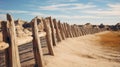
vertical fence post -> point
(73, 31)
(36, 44)
(74, 27)
(14, 60)
(57, 30)
(61, 30)
(69, 31)
(64, 30)
(81, 32)
(53, 32)
(48, 35)
(78, 32)
(85, 31)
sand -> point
(83, 51)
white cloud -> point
(36, 14)
(72, 0)
(114, 6)
(76, 17)
(73, 6)
(103, 13)
(94, 19)
(113, 9)
(92, 13)
(61, 16)
(13, 11)
(60, 1)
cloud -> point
(73, 6)
(113, 9)
(37, 14)
(12, 11)
(61, 16)
(60, 1)
(103, 13)
(114, 6)
(3, 13)
(76, 17)
(77, 12)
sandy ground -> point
(83, 51)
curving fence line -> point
(15, 51)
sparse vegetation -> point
(110, 40)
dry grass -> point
(110, 39)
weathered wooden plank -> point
(81, 31)
(78, 30)
(48, 35)
(57, 30)
(72, 29)
(36, 44)
(53, 32)
(69, 30)
(14, 60)
(64, 31)
(75, 31)
(61, 30)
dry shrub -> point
(110, 39)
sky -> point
(70, 11)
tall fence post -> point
(64, 30)
(53, 32)
(73, 31)
(48, 35)
(79, 31)
(69, 30)
(61, 30)
(36, 44)
(59, 38)
(14, 60)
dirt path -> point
(84, 51)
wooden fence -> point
(54, 32)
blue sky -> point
(70, 11)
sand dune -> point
(84, 51)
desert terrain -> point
(97, 50)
